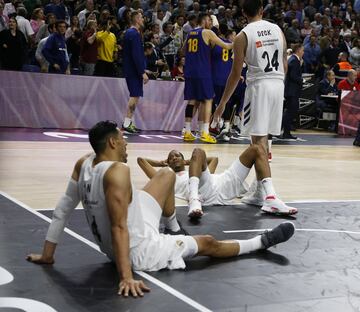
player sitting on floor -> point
(125, 221)
(201, 185)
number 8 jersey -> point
(264, 54)
(197, 57)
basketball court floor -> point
(317, 270)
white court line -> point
(309, 201)
(150, 278)
(298, 230)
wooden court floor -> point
(36, 173)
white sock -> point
(243, 172)
(268, 187)
(213, 124)
(227, 126)
(206, 127)
(127, 122)
(250, 245)
(188, 126)
(171, 222)
(236, 121)
(194, 187)
(269, 145)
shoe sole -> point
(282, 233)
(195, 214)
(276, 211)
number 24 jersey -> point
(264, 54)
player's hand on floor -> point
(134, 287)
(39, 259)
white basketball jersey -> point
(264, 54)
(92, 196)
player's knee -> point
(210, 243)
(259, 150)
(168, 174)
(198, 154)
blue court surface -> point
(317, 270)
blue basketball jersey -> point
(221, 62)
(197, 57)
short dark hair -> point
(202, 16)
(58, 22)
(148, 45)
(99, 134)
(223, 28)
(251, 7)
(296, 47)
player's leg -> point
(209, 246)
(205, 136)
(161, 188)
(198, 164)
(189, 112)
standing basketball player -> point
(134, 67)
(262, 46)
(198, 79)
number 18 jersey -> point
(264, 54)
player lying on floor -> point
(200, 186)
(125, 221)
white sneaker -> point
(255, 198)
(195, 209)
(223, 135)
(275, 205)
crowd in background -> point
(326, 28)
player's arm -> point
(62, 212)
(285, 62)
(240, 45)
(118, 194)
(215, 40)
(148, 165)
(212, 163)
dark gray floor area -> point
(314, 271)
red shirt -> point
(88, 52)
(345, 85)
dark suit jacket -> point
(293, 80)
(325, 88)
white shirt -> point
(25, 27)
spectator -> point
(44, 65)
(345, 29)
(10, 7)
(74, 26)
(4, 20)
(73, 47)
(149, 50)
(55, 51)
(178, 70)
(306, 30)
(160, 18)
(12, 47)
(107, 49)
(293, 86)
(311, 54)
(57, 8)
(228, 20)
(24, 25)
(110, 6)
(355, 53)
(342, 67)
(327, 15)
(155, 62)
(125, 23)
(293, 13)
(180, 10)
(178, 27)
(37, 20)
(195, 9)
(190, 24)
(327, 86)
(292, 34)
(212, 8)
(125, 7)
(327, 34)
(310, 10)
(88, 49)
(316, 24)
(89, 7)
(346, 45)
(350, 82)
(43, 30)
(171, 48)
(330, 55)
